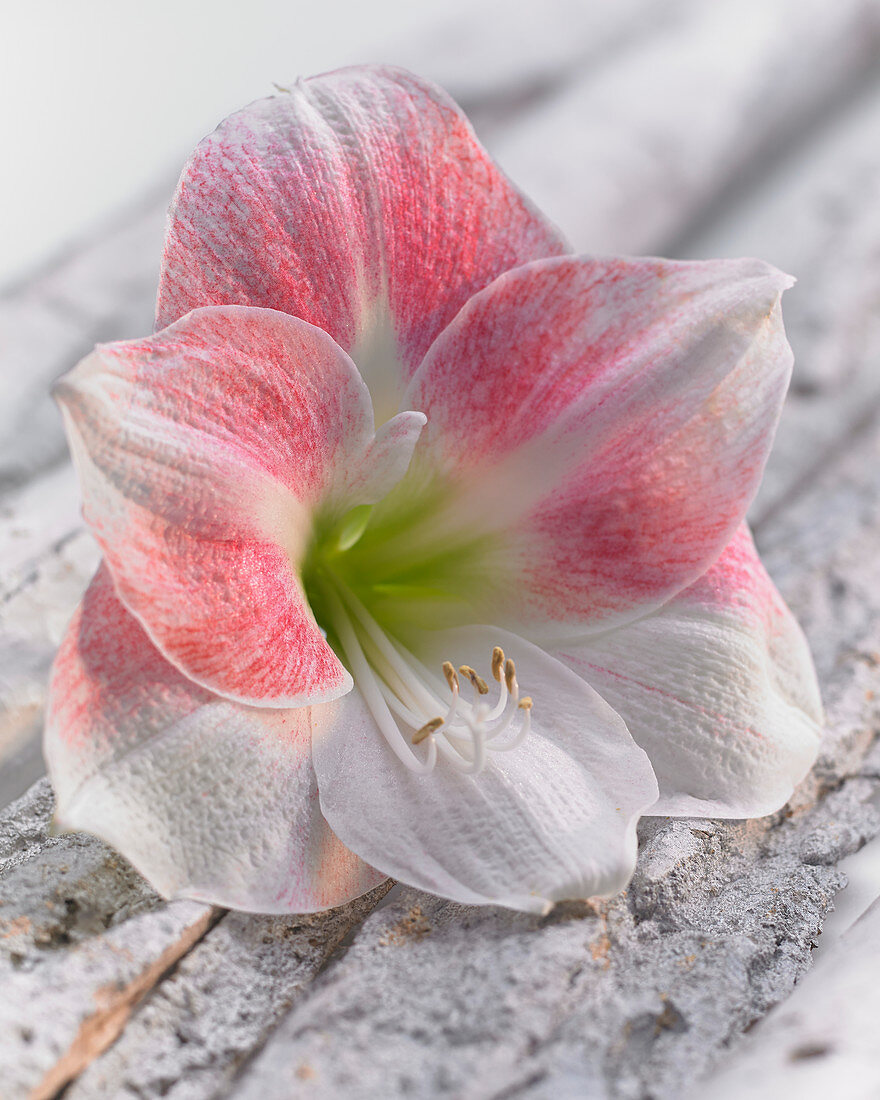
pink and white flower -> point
(392, 454)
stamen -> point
(406, 698)
(369, 685)
(477, 680)
(426, 730)
(501, 705)
(497, 662)
(451, 677)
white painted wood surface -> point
(815, 1045)
(729, 128)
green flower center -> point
(377, 579)
(404, 560)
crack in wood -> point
(114, 1006)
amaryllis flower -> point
(423, 541)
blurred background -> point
(103, 100)
(681, 127)
(647, 111)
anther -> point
(510, 675)
(497, 662)
(474, 677)
(451, 677)
(525, 703)
(426, 730)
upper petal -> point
(204, 452)
(360, 201)
(552, 819)
(207, 798)
(611, 419)
(718, 687)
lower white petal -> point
(552, 819)
(209, 799)
(719, 689)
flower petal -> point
(612, 419)
(208, 799)
(360, 201)
(719, 689)
(552, 819)
(204, 453)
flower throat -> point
(372, 581)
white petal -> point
(719, 689)
(385, 462)
(552, 819)
(207, 798)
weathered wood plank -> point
(823, 1041)
(862, 871)
(496, 58)
(83, 939)
(221, 1004)
(102, 290)
(823, 552)
(630, 155)
(33, 616)
(34, 519)
(818, 217)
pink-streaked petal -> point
(207, 798)
(361, 201)
(204, 452)
(552, 819)
(719, 689)
(612, 418)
